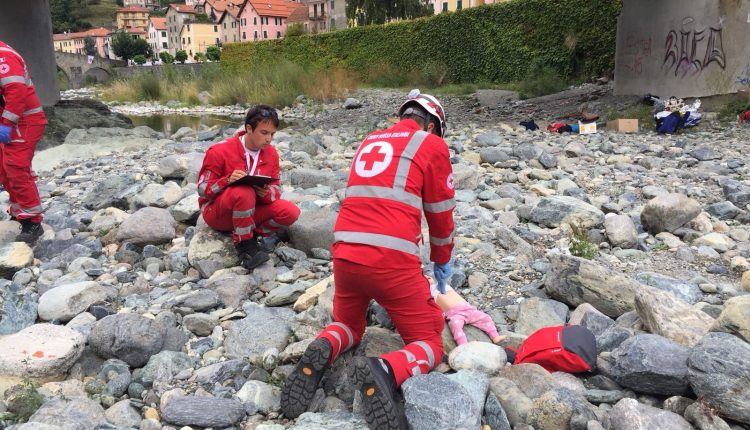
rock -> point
(41, 350)
(575, 281)
(628, 414)
(475, 384)
(668, 212)
(717, 241)
(129, 337)
(735, 318)
(187, 210)
(423, 403)
(718, 368)
(17, 310)
(75, 413)
(202, 411)
(232, 289)
(723, 210)
(313, 229)
(535, 313)
(163, 366)
(685, 291)
(122, 414)
(267, 398)
(208, 244)
(339, 420)
(556, 409)
(514, 402)
(14, 256)
(310, 296)
(492, 138)
(482, 357)
(650, 364)
(493, 155)
(284, 294)
(352, 103)
(495, 414)
(552, 211)
(180, 166)
(704, 419)
(158, 195)
(736, 192)
(200, 324)
(67, 301)
(147, 226)
(745, 282)
(662, 313)
(109, 192)
(621, 231)
(263, 328)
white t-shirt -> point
(250, 155)
(434, 291)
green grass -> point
(100, 15)
(541, 80)
(642, 112)
(729, 113)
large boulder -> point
(735, 318)
(187, 210)
(313, 229)
(112, 191)
(209, 245)
(424, 403)
(621, 231)
(535, 313)
(668, 212)
(719, 373)
(148, 226)
(180, 166)
(158, 195)
(67, 301)
(75, 413)
(551, 211)
(628, 414)
(14, 256)
(130, 337)
(576, 281)
(17, 310)
(684, 290)
(42, 350)
(262, 329)
(664, 314)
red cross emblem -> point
(373, 159)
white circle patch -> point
(4, 68)
(449, 182)
(373, 159)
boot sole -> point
(251, 264)
(302, 383)
(381, 409)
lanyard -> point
(247, 158)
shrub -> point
(139, 59)
(581, 246)
(540, 81)
(181, 56)
(166, 57)
(213, 53)
(149, 86)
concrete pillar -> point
(27, 27)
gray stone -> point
(14, 256)
(668, 212)
(180, 166)
(313, 229)
(704, 154)
(352, 103)
(621, 231)
(718, 371)
(664, 314)
(596, 322)
(483, 357)
(548, 160)
(208, 244)
(147, 226)
(527, 151)
(723, 210)
(197, 300)
(309, 178)
(628, 414)
(551, 211)
(105, 193)
(684, 290)
(187, 210)
(495, 414)
(17, 311)
(284, 294)
(735, 318)
(232, 289)
(122, 414)
(605, 396)
(164, 366)
(339, 420)
(202, 411)
(263, 328)
(704, 419)
(536, 313)
(75, 413)
(424, 397)
(158, 195)
(40, 350)
(559, 409)
(491, 138)
(266, 397)
(475, 384)
(736, 192)
(66, 301)
(129, 337)
(200, 324)
(611, 338)
(493, 155)
(219, 372)
(649, 363)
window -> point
(188, 27)
(445, 6)
(322, 9)
(255, 20)
(164, 45)
(225, 25)
(255, 35)
(265, 34)
(315, 11)
(189, 42)
(183, 40)
(332, 5)
(243, 36)
(216, 29)
(278, 35)
(163, 34)
(458, 5)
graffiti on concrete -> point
(691, 49)
(636, 50)
(743, 78)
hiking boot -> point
(302, 383)
(251, 256)
(30, 231)
(374, 379)
(268, 243)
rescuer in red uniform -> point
(396, 175)
(252, 213)
(22, 124)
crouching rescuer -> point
(256, 215)
(397, 174)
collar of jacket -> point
(407, 123)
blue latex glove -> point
(5, 134)
(443, 273)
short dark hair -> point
(261, 113)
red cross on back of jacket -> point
(396, 175)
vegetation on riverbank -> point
(278, 85)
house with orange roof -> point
(149, 4)
(229, 23)
(177, 14)
(75, 43)
(157, 34)
(132, 17)
(265, 19)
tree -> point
(125, 47)
(213, 53)
(199, 57)
(166, 57)
(89, 45)
(139, 59)
(181, 56)
(66, 15)
(367, 12)
(295, 29)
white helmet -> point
(428, 103)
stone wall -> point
(686, 48)
(137, 70)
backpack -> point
(670, 124)
(569, 349)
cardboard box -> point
(623, 125)
(586, 127)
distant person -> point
(255, 215)
(22, 123)
(397, 175)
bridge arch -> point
(78, 67)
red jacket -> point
(19, 101)
(396, 174)
(227, 156)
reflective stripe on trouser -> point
(16, 175)
(405, 295)
(269, 227)
(341, 337)
(274, 216)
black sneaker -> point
(302, 383)
(373, 378)
(251, 256)
(30, 231)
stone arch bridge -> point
(78, 69)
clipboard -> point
(258, 180)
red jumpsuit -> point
(396, 175)
(237, 208)
(19, 109)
